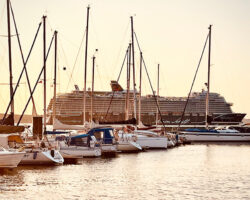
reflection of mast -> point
(54, 100)
(85, 68)
(10, 57)
(44, 72)
(208, 77)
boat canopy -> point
(79, 136)
(57, 125)
(201, 130)
(107, 137)
(56, 132)
(6, 138)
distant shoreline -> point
(25, 119)
(28, 119)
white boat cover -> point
(57, 125)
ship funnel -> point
(116, 86)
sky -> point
(170, 33)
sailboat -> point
(10, 159)
(219, 134)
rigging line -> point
(78, 53)
(51, 29)
(204, 47)
(4, 7)
(63, 52)
(19, 79)
(7, 35)
(21, 51)
(99, 75)
(113, 93)
(70, 76)
(157, 104)
(38, 79)
(121, 46)
(137, 42)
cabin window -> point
(99, 135)
(111, 133)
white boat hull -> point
(108, 149)
(152, 142)
(10, 159)
(216, 137)
(75, 152)
(42, 158)
(128, 146)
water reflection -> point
(188, 172)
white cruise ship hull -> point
(216, 137)
(39, 157)
(10, 159)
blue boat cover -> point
(107, 137)
(56, 132)
(80, 136)
(201, 130)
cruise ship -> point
(109, 106)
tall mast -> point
(208, 77)
(85, 68)
(54, 100)
(133, 62)
(128, 82)
(139, 117)
(10, 57)
(157, 98)
(44, 73)
(93, 80)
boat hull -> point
(50, 157)
(10, 160)
(152, 142)
(216, 137)
(108, 149)
(75, 152)
(128, 146)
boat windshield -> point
(99, 135)
(111, 133)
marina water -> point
(198, 171)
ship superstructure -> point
(69, 108)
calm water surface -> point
(197, 171)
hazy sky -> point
(171, 33)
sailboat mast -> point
(128, 82)
(85, 68)
(139, 118)
(10, 57)
(44, 73)
(208, 77)
(133, 62)
(54, 100)
(157, 98)
(93, 80)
